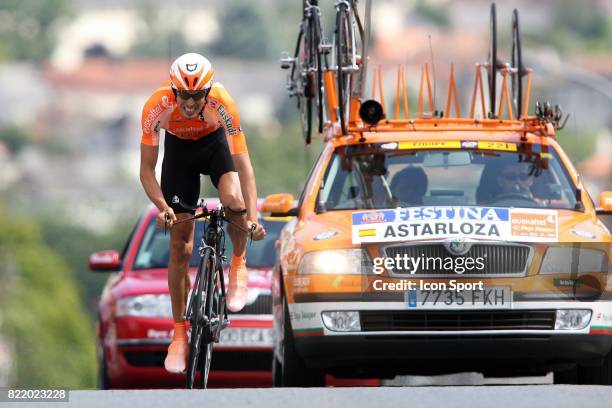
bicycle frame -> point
(206, 308)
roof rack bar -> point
(452, 95)
(380, 88)
(330, 93)
(527, 94)
(425, 81)
(478, 86)
(504, 98)
(397, 93)
(355, 104)
(405, 89)
(374, 79)
(401, 93)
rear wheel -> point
(293, 371)
(196, 318)
(517, 64)
(492, 61)
(344, 61)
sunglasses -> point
(196, 95)
(516, 176)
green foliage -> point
(437, 15)
(577, 28)
(578, 146)
(27, 27)
(282, 164)
(244, 31)
(586, 20)
(42, 313)
(76, 243)
(14, 137)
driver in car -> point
(516, 179)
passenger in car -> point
(409, 186)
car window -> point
(153, 251)
(379, 178)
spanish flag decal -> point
(371, 232)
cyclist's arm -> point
(148, 160)
(242, 162)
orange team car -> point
(443, 244)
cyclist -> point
(202, 135)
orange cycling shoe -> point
(176, 359)
(238, 278)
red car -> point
(135, 316)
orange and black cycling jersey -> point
(162, 112)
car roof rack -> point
(371, 115)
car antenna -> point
(433, 69)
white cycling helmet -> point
(191, 72)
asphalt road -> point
(541, 396)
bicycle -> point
(346, 54)
(206, 309)
(305, 80)
(516, 68)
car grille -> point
(499, 259)
(373, 320)
(261, 306)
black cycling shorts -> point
(185, 160)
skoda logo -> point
(457, 246)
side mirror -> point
(279, 205)
(605, 203)
(107, 261)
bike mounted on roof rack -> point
(343, 88)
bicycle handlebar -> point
(207, 213)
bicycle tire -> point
(342, 53)
(196, 318)
(492, 60)
(302, 80)
(517, 63)
(316, 31)
(212, 302)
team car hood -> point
(333, 229)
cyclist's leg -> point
(230, 195)
(181, 245)
(181, 180)
(225, 178)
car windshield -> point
(388, 176)
(153, 250)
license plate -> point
(246, 337)
(487, 298)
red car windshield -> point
(153, 250)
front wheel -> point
(104, 382)
(600, 374)
(293, 372)
(196, 313)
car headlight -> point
(571, 319)
(566, 259)
(333, 262)
(343, 321)
(144, 306)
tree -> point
(41, 312)
(27, 27)
(244, 32)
